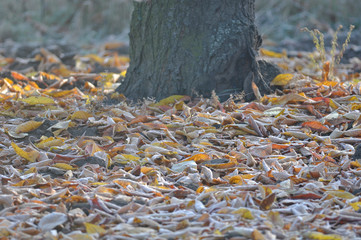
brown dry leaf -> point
(267, 202)
(289, 98)
(141, 119)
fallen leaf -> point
(28, 126)
(51, 220)
(31, 156)
(92, 228)
(269, 53)
(282, 79)
(316, 126)
(267, 202)
(35, 100)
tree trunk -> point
(191, 47)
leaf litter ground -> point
(81, 164)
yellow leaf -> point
(31, 170)
(49, 76)
(341, 194)
(95, 58)
(124, 59)
(60, 94)
(109, 77)
(125, 158)
(35, 100)
(81, 115)
(63, 166)
(50, 142)
(321, 236)
(146, 170)
(265, 191)
(333, 104)
(123, 73)
(269, 53)
(356, 205)
(248, 176)
(169, 100)
(244, 213)
(9, 81)
(236, 179)
(30, 156)
(27, 126)
(92, 228)
(282, 79)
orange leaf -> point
(297, 180)
(19, 76)
(142, 119)
(325, 70)
(316, 126)
(198, 158)
(279, 146)
(113, 45)
(256, 91)
(146, 170)
(221, 166)
(49, 76)
(338, 93)
(327, 83)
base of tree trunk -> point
(193, 48)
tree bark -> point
(191, 47)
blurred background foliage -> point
(77, 21)
(280, 19)
(89, 21)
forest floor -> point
(80, 162)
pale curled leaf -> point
(51, 220)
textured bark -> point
(191, 47)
